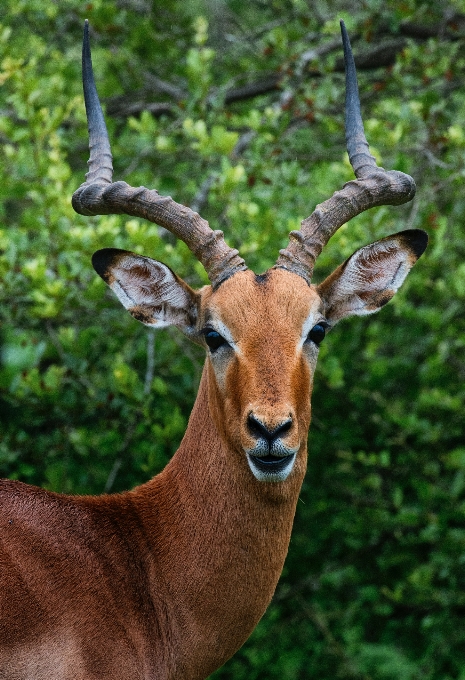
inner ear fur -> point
(150, 291)
(372, 275)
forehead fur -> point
(275, 298)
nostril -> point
(283, 428)
(258, 429)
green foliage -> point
(373, 587)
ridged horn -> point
(99, 195)
(374, 186)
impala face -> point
(263, 353)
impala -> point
(168, 580)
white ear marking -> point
(118, 290)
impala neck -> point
(221, 539)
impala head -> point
(261, 333)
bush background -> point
(237, 109)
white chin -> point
(266, 471)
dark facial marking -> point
(261, 278)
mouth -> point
(271, 468)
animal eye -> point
(317, 333)
(214, 340)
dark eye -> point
(214, 340)
(317, 333)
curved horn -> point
(374, 186)
(100, 196)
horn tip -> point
(345, 36)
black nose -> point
(259, 429)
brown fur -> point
(167, 581)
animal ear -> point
(148, 289)
(372, 275)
